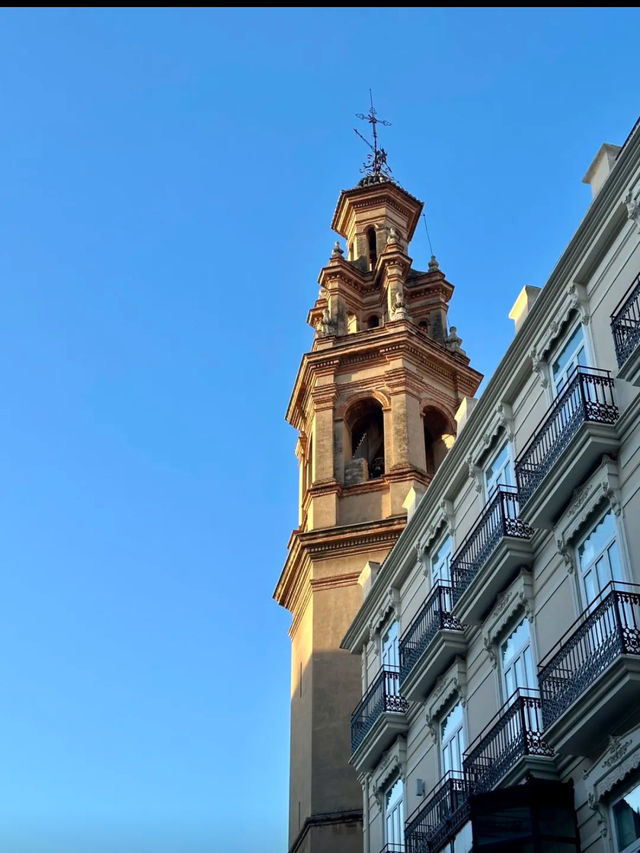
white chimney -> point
(599, 170)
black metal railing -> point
(499, 519)
(625, 324)
(383, 695)
(587, 396)
(394, 847)
(608, 629)
(516, 731)
(434, 616)
(443, 814)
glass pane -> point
(440, 562)
(626, 814)
(614, 562)
(571, 353)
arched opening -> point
(423, 325)
(373, 249)
(373, 322)
(438, 438)
(365, 423)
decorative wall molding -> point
(602, 487)
(516, 599)
(389, 606)
(392, 764)
(632, 202)
(451, 685)
(443, 523)
(621, 757)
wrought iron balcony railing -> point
(608, 629)
(383, 695)
(499, 519)
(516, 731)
(443, 814)
(625, 324)
(586, 397)
(434, 616)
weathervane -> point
(376, 162)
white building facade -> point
(500, 638)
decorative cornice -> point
(453, 684)
(621, 757)
(516, 598)
(602, 487)
(393, 763)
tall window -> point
(516, 657)
(390, 657)
(394, 814)
(373, 251)
(437, 438)
(441, 562)
(599, 559)
(572, 353)
(626, 819)
(452, 740)
(499, 471)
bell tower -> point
(373, 404)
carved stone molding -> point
(451, 685)
(579, 301)
(632, 203)
(602, 487)
(516, 599)
(442, 524)
(390, 605)
(393, 763)
(539, 367)
(621, 757)
(475, 472)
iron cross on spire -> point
(376, 163)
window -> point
(438, 438)
(516, 657)
(572, 353)
(366, 424)
(372, 244)
(499, 471)
(599, 559)
(452, 740)
(394, 814)
(626, 819)
(441, 562)
(390, 657)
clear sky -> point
(167, 182)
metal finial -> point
(376, 162)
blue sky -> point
(167, 182)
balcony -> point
(430, 642)
(485, 562)
(443, 814)
(571, 438)
(625, 327)
(590, 680)
(511, 746)
(378, 719)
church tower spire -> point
(373, 404)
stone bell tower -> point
(373, 403)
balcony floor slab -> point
(381, 735)
(432, 662)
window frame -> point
(514, 626)
(557, 349)
(402, 802)
(634, 847)
(588, 530)
(510, 466)
(462, 742)
(433, 551)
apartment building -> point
(500, 636)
